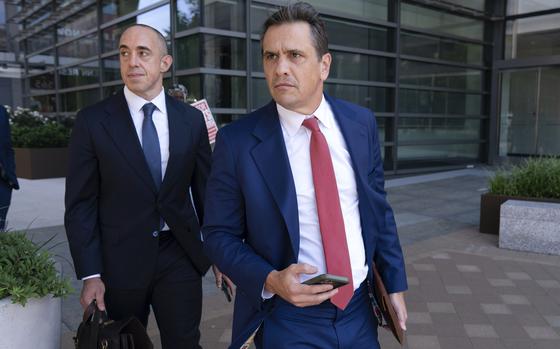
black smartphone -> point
(334, 280)
(227, 290)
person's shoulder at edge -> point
(248, 122)
(98, 109)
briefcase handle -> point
(93, 313)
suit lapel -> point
(272, 161)
(120, 127)
(179, 139)
(354, 134)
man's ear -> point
(325, 66)
(165, 63)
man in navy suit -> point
(268, 225)
(133, 230)
(8, 179)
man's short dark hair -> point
(161, 39)
(301, 12)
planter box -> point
(34, 326)
(37, 163)
(530, 226)
(490, 210)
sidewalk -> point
(464, 291)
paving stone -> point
(458, 289)
(548, 283)
(423, 342)
(518, 343)
(518, 275)
(419, 318)
(547, 344)
(468, 268)
(553, 320)
(455, 343)
(495, 309)
(515, 299)
(480, 331)
(413, 281)
(487, 343)
(442, 307)
(446, 319)
(541, 332)
(501, 282)
(424, 267)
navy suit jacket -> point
(7, 160)
(112, 204)
(251, 225)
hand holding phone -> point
(334, 280)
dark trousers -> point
(321, 326)
(175, 295)
(5, 199)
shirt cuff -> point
(266, 294)
(91, 277)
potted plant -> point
(30, 291)
(535, 179)
(40, 143)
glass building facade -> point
(433, 72)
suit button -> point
(155, 234)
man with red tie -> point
(296, 190)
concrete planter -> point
(34, 326)
(37, 163)
(490, 210)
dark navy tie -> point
(150, 144)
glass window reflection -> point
(111, 9)
(436, 102)
(378, 99)
(533, 37)
(225, 14)
(426, 129)
(77, 50)
(84, 74)
(355, 66)
(223, 91)
(444, 49)
(187, 14)
(435, 75)
(77, 25)
(76, 100)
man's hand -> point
(397, 299)
(285, 283)
(221, 276)
(92, 289)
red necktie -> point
(331, 222)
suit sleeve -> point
(388, 254)
(201, 169)
(81, 200)
(224, 228)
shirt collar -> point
(136, 102)
(291, 121)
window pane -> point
(188, 52)
(43, 104)
(74, 101)
(224, 119)
(111, 69)
(447, 50)
(424, 18)
(225, 91)
(227, 15)
(355, 66)
(424, 129)
(44, 38)
(43, 83)
(224, 52)
(435, 102)
(474, 4)
(377, 99)
(112, 9)
(360, 36)
(434, 75)
(367, 9)
(193, 85)
(77, 24)
(84, 74)
(77, 50)
(261, 96)
(515, 7)
(157, 18)
(532, 37)
(40, 62)
(188, 14)
(259, 14)
(439, 151)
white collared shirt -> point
(297, 139)
(135, 104)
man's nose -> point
(133, 60)
(282, 67)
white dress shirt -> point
(135, 104)
(297, 139)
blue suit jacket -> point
(7, 160)
(251, 225)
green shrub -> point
(27, 270)
(536, 177)
(49, 135)
(31, 129)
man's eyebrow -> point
(137, 47)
